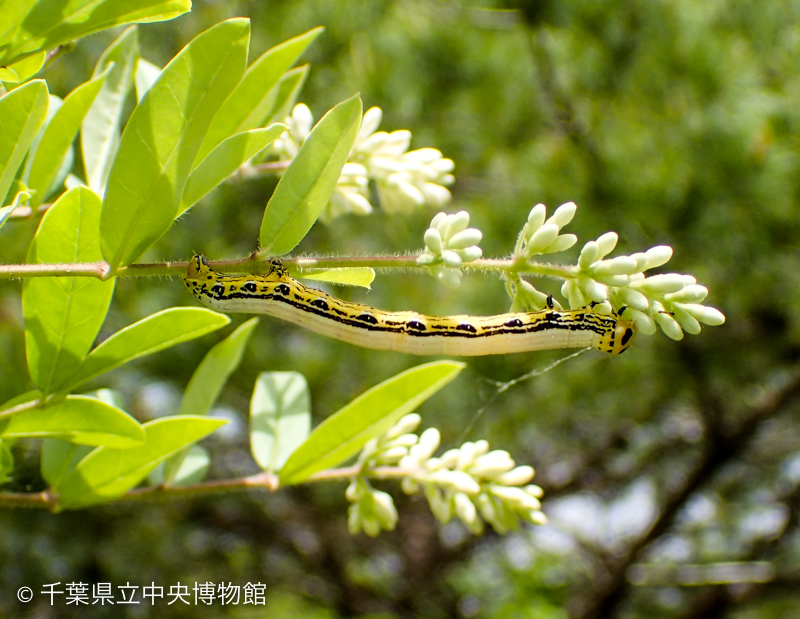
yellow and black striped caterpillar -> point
(278, 294)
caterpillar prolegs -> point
(278, 294)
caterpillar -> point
(278, 294)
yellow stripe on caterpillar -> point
(278, 294)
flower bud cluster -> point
(540, 236)
(671, 300)
(404, 180)
(449, 244)
(474, 484)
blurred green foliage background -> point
(671, 122)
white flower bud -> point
(435, 195)
(396, 143)
(449, 459)
(465, 238)
(428, 443)
(433, 240)
(563, 214)
(707, 315)
(391, 455)
(303, 121)
(423, 155)
(536, 218)
(690, 294)
(621, 265)
(541, 238)
(373, 142)
(537, 517)
(470, 254)
(534, 490)
(572, 291)
(661, 284)
(644, 323)
(385, 509)
(486, 507)
(404, 440)
(562, 243)
(405, 425)
(409, 485)
(465, 509)
(438, 220)
(451, 258)
(353, 492)
(657, 256)
(491, 466)
(453, 224)
(606, 243)
(685, 320)
(457, 480)
(603, 308)
(369, 123)
(631, 298)
(358, 204)
(595, 291)
(426, 259)
(510, 494)
(589, 254)
(517, 476)
(441, 507)
(668, 325)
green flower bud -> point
(562, 243)
(690, 294)
(541, 238)
(470, 254)
(668, 325)
(657, 256)
(451, 258)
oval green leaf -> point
(310, 179)
(64, 314)
(145, 337)
(369, 415)
(101, 126)
(109, 472)
(162, 137)
(58, 136)
(76, 419)
(224, 160)
(280, 417)
(23, 111)
(254, 97)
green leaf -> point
(369, 415)
(77, 419)
(101, 127)
(23, 111)
(64, 314)
(192, 468)
(5, 212)
(162, 137)
(287, 91)
(145, 337)
(354, 276)
(207, 382)
(280, 417)
(215, 368)
(24, 69)
(146, 75)
(110, 472)
(254, 97)
(224, 160)
(59, 458)
(58, 136)
(310, 179)
(6, 463)
(46, 24)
